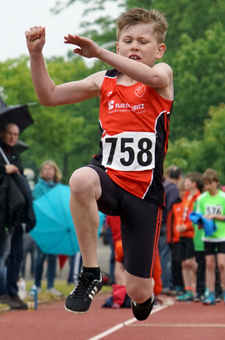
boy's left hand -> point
(87, 47)
(210, 217)
(181, 228)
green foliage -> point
(207, 153)
(183, 153)
(199, 67)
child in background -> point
(212, 205)
(193, 185)
(200, 259)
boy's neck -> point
(214, 192)
(193, 192)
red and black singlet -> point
(134, 122)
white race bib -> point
(129, 151)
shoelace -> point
(83, 287)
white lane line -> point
(181, 325)
(122, 324)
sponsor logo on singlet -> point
(114, 107)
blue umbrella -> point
(54, 231)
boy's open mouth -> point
(134, 57)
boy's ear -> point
(117, 47)
(161, 51)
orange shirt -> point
(173, 219)
(187, 208)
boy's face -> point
(138, 43)
(182, 191)
(210, 186)
(188, 184)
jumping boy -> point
(125, 176)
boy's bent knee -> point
(84, 181)
(140, 291)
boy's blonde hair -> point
(136, 16)
(58, 173)
(210, 175)
(181, 184)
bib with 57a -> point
(129, 151)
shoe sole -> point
(209, 304)
(75, 312)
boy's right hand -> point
(35, 38)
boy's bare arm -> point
(158, 76)
(215, 217)
(48, 93)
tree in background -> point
(199, 155)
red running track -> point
(186, 321)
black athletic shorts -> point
(212, 248)
(140, 224)
(186, 248)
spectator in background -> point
(28, 241)
(11, 239)
(29, 248)
(50, 175)
(212, 205)
(75, 268)
(173, 239)
(174, 174)
(193, 185)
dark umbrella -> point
(18, 114)
(21, 146)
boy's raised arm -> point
(157, 76)
(48, 93)
(42, 82)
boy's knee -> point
(139, 293)
(78, 184)
(221, 267)
(211, 267)
(75, 182)
(83, 182)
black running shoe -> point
(142, 310)
(80, 298)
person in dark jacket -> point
(11, 242)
